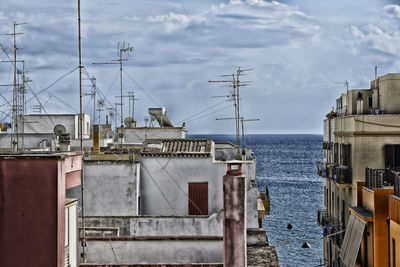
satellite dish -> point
(110, 134)
(129, 122)
(59, 129)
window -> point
(198, 199)
(370, 101)
(335, 153)
(345, 154)
(392, 156)
(394, 251)
(66, 227)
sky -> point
(301, 52)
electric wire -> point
(208, 114)
(204, 110)
(141, 89)
(309, 241)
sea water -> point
(287, 165)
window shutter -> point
(335, 153)
(389, 156)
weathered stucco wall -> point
(155, 251)
(30, 140)
(38, 123)
(161, 225)
(164, 183)
(110, 188)
(138, 135)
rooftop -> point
(41, 154)
(176, 147)
(363, 212)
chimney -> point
(106, 119)
(235, 241)
(64, 141)
(96, 139)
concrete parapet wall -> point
(176, 251)
(161, 225)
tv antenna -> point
(235, 83)
(100, 105)
(123, 53)
(16, 99)
(92, 95)
(346, 84)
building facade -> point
(362, 133)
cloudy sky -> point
(299, 50)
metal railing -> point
(342, 174)
(396, 173)
(339, 174)
(331, 225)
(378, 178)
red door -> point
(198, 198)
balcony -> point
(331, 225)
(379, 178)
(338, 174)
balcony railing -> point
(339, 174)
(378, 178)
(331, 225)
(396, 183)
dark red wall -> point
(32, 199)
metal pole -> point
(81, 133)
(120, 77)
(23, 103)
(238, 100)
(14, 140)
(94, 99)
(236, 115)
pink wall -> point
(32, 211)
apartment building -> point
(363, 133)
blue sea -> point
(287, 165)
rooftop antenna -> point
(92, 95)
(100, 105)
(346, 83)
(15, 104)
(242, 120)
(83, 242)
(235, 83)
(123, 53)
(377, 86)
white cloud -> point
(174, 21)
(393, 10)
(296, 50)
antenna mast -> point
(92, 94)
(123, 53)
(236, 83)
(16, 102)
(83, 242)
